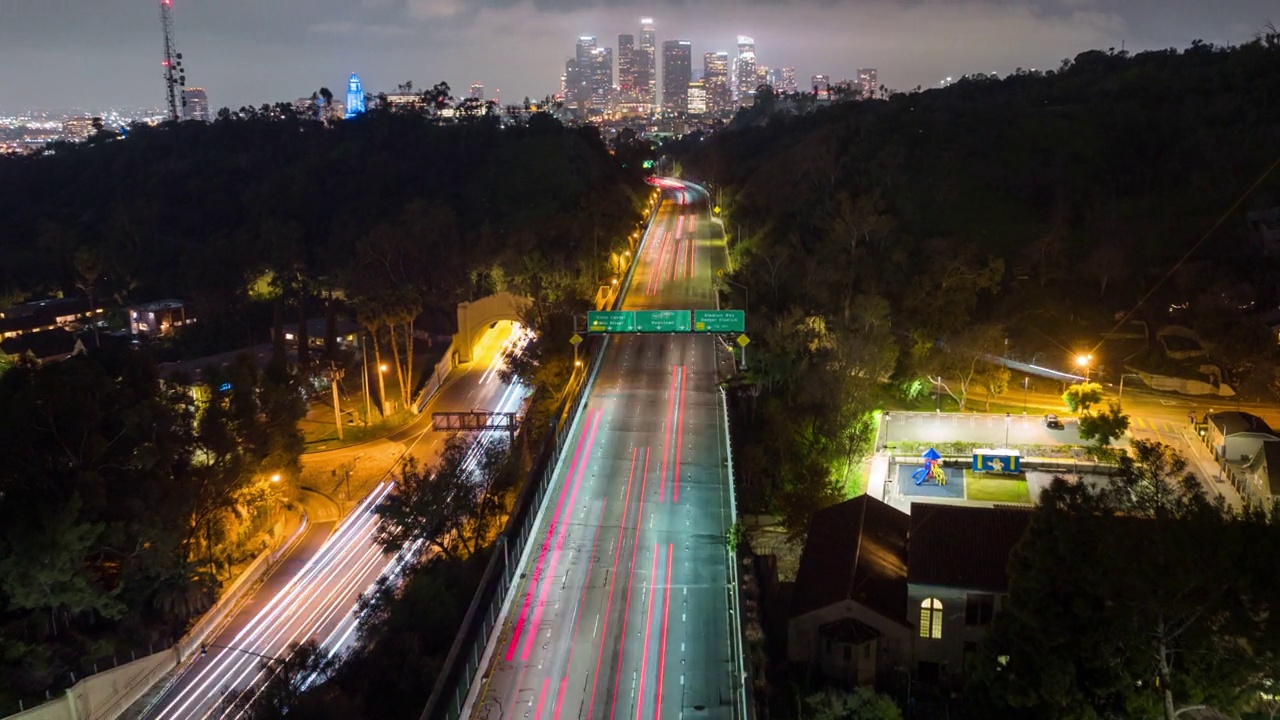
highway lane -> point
(623, 609)
(314, 592)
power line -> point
(1230, 211)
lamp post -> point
(1084, 361)
(1007, 420)
(885, 416)
(1026, 383)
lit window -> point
(931, 618)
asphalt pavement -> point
(313, 593)
(623, 606)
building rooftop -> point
(193, 370)
(856, 550)
(964, 547)
(157, 305)
(1236, 422)
(848, 630)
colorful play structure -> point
(932, 470)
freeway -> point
(623, 609)
(314, 591)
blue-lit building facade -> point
(355, 96)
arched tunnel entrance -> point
(476, 317)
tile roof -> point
(855, 550)
(963, 547)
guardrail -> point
(743, 709)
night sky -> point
(98, 53)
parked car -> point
(1052, 422)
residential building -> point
(715, 77)
(1236, 437)
(157, 318)
(44, 315)
(853, 572)
(868, 83)
(744, 71)
(957, 581)
(346, 333)
(676, 75)
(48, 346)
(881, 592)
(195, 104)
(1258, 482)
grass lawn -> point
(988, 487)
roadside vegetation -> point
(156, 490)
(890, 241)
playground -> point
(931, 479)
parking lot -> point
(993, 430)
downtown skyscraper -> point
(677, 73)
(646, 64)
(715, 78)
(744, 71)
(867, 83)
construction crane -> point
(175, 77)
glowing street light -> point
(382, 367)
(275, 478)
(1083, 361)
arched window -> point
(931, 618)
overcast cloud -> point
(99, 53)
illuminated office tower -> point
(646, 65)
(601, 78)
(867, 83)
(355, 96)
(744, 71)
(476, 92)
(626, 69)
(677, 72)
(195, 104)
(715, 76)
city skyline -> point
(102, 55)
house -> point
(1258, 481)
(44, 315)
(880, 590)
(346, 333)
(1236, 437)
(157, 318)
(192, 372)
(956, 580)
(847, 616)
(47, 346)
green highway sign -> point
(608, 321)
(719, 321)
(663, 321)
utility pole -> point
(334, 376)
(364, 376)
(174, 76)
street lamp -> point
(885, 417)
(1120, 395)
(1083, 361)
(1007, 420)
(275, 478)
